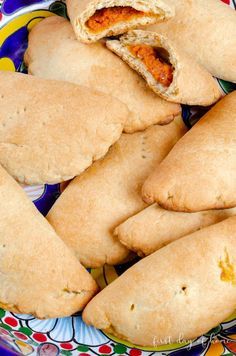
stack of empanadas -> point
(97, 68)
(109, 192)
(65, 121)
(175, 291)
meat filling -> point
(157, 66)
(106, 17)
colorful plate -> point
(70, 336)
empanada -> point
(54, 53)
(200, 172)
(167, 69)
(109, 192)
(51, 131)
(207, 31)
(178, 293)
(154, 227)
(38, 273)
(95, 19)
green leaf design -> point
(2, 313)
(227, 87)
(59, 8)
(25, 331)
(82, 348)
(31, 342)
(214, 331)
(120, 349)
(65, 352)
(4, 326)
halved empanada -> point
(168, 70)
(95, 19)
(206, 30)
(97, 68)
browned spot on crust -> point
(228, 273)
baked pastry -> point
(109, 192)
(38, 273)
(207, 31)
(167, 69)
(97, 68)
(179, 292)
(154, 227)
(95, 19)
(200, 172)
(51, 131)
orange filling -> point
(158, 67)
(106, 17)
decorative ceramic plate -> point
(23, 334)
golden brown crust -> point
(108, 193)
(195, 28)
(81, 11)
(38, 273)
(154, 227)
(155, 298)
(94, 66)
(199, 173)
(191, 83)
(51, 131)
